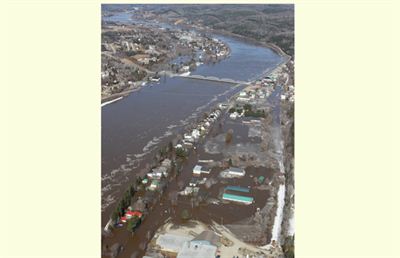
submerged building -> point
(237, 194)
(237, 198)
(197, 170)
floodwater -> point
(136, 126)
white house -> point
(197, 170)
(235, 172)
(234, 115)
(195, 133)
(188, 137)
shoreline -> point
(271, 46)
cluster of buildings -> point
(156, 174)
(194, 183)
(201, 129)
(129, 215)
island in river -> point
(153, 139)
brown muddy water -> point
(224, 212)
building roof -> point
(208, 236)
(134, 213)
(233, 169)
(139, 56)
(237, 198)
(238, 189)
(172, 242)
(193, 250)
(197, 168)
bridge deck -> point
(212, 78)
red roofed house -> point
(130, 214)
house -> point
(155, 174)
(192, 249)
(243, 99)
(193, 182)
(130, 214)
(154, 185)
(189, 190)
(195, 133)
(237, 194)
(236, 171)
(232, 172)
(223, 106)
(171, 242)
(237, 189)
(188, 137)
(234, 115)
(142, 58)
(198, 170)
(161, 169)
(237, 198)
(166, 163)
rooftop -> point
(237, 198)
(172, 242)
(238, 188)
(193, 250)
(233, 169)
(207, 236)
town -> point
(135, 55)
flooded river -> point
(135, 126)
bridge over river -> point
(212, 78)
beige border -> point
(345, 203)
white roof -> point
(192, 250)
(172, 242)
(236, 170)
(197, 168)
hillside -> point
(264, 23)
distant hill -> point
(272, 23)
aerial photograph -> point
(197, 130)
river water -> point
(135, 126)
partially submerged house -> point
(237, 198)
(237, 194)
(233, 172)
(155, 184)
(198, 170)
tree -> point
(114, 215)
(133, 223)
(170, 147)
(288, 247)
(180, 152)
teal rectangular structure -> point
(237, 198)
(238, 189)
